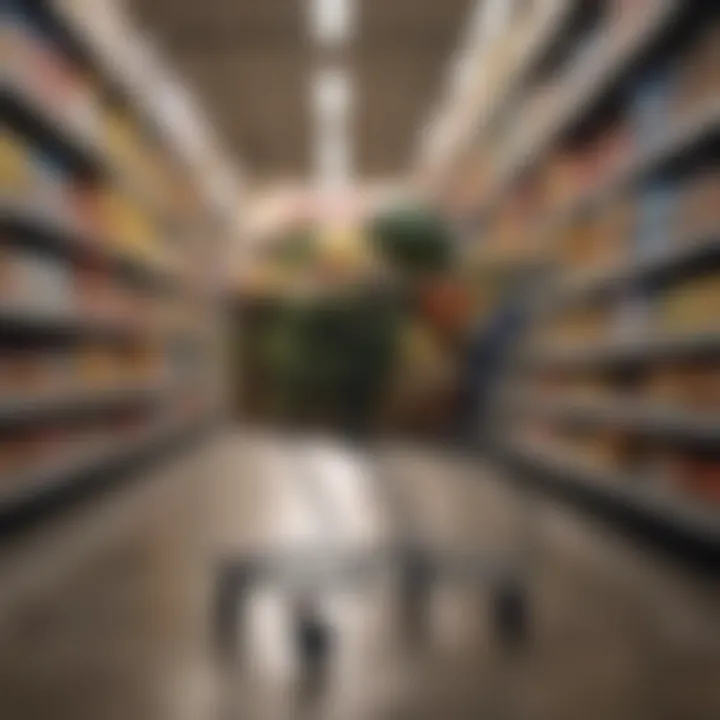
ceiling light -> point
(331, 94)
(332, 22)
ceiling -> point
(250, 63)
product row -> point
(688, 306)
(31, 372)
(98, 215)
(624, 458)
(42, 453)
(655, 220)
(42, 69)
(32, 281)
(672, 108)
(689, 388)
(650, 108)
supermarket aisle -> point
(113, 623)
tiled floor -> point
(105, 615)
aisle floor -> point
(105, 615)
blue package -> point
(657, 202)
(650, 106)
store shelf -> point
(703, 124)
(35, 408)
(60, 235)
(685, 256)
(47, 323)
(25, 499)
(639, 418)
(687, 527)
(676, 347)
(77, 146)
(580, 94)
(30, 114)
(541, 36)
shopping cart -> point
(308, 571)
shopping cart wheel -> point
(232, 586)
(511, 612)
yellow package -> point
(16, 168)
(692, 306)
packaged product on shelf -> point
(699, 210)
(617, 452)
(144, 363)
(118, 136)
(633, 317)
(125, 147)
(51, 187)
(88, 212)
(697, 475)
(19, 42)
(17, 173)
(698, 74)
(57, 84)
(616, 223)
(657, 209)
(579, 245)
(111, 213)
(588, 325)
(17, 456)
(98, 366)
(31, 372)
(625, 17)
(34, 281)
(692, 387)
(94, 291)
(692, 305)
(651, 106)
(609, 154)
(573, 171)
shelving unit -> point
(687, 255)
(600, 187)
(108, 327)
(577, 96)
(649, 421)
(686, 529)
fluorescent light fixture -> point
(331, 94)
(495, 17)
(332, 22)
(333, 160)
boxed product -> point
(624, 14)
(698, 74)
(616, 223)
(98, 366)
(19, 41)
(561, 180)
(608, 154)
(687, 387)
(30, 372)
(692, 306)
(695, 474)
(656, 210)
(579, 244)
(651, 106)
(633, 317)
(699, 206)
(87, 207)
(34, 281)
(17, 174)
(17, 456)
(51, 186)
